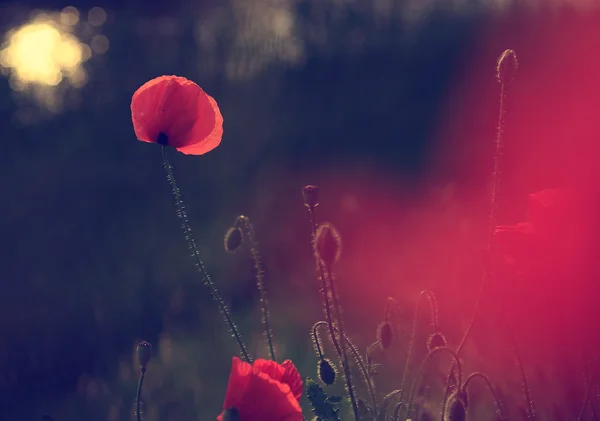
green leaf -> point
(324, 407)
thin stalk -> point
(490, 240)
(139, 394)
(434, 320)
(340, 325)
(260, 282)
(187, 231)
(490, 387)
(324, 287)
(355, 352)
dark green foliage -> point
(324, 407)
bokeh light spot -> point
(69, 16)
(99, 44)
(97, 16)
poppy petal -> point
(292, 378)
(241, 373)
(143, 112)
(268, 400)
(212, 139)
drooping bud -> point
(506, 69)
(231, 414)
(326, 371)
(455, 410)
(234, 238)
(144, 353)
(436, 340)
(310, 194)
(328, 244)
(385, 335)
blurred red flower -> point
(552, 239)
(264, 391)
(552, 264)
(173, 110)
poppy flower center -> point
(162, 139)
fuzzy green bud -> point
(506, 69)
(310, 194)
(234, 238)
(328, 244)
(144, 353)
(436, 340)
(455, 411)
(326, 371)
(385, 335)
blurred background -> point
(390, 106)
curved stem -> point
(316, 340)
(420, 373)
(434, 320)
(340, 324)
(187, 231)
(139, 393)
(359, 361)
(490, 387)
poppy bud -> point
(385, 335)
(326, 371)
(328, 243)
(507, 67)
(436, 340)
(455, 411)
(311, 196)
(233, 239)
(242, 222)
(144, 353)
(231, 414)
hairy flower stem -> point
(490, 387)
(520, 365)
(260, 283)
(355, 353)
(325, 292)
(139, 394)
(420, 373)
(340, 327)
(490, 239)
(434, 320)
(187, 231)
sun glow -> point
(43, 53)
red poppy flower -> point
(172, 110)
(264, 391)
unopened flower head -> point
(144, 353)
(455, 411)
(385, 335)
(507, 67)
(436, 340)
(326, 371)
(328, 244)
(310, 194)
(234, 238)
